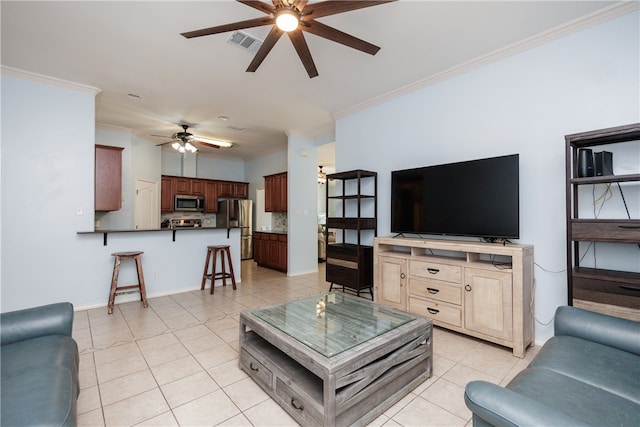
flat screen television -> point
(478, 198)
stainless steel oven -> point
(188, 203)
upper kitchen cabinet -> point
(275, 192)
(211, 196)
(238, 190)
(167, 193)
(108, 178)
(183, 186)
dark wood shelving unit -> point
(351, 208)
(607, 291)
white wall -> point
(47, 177)
(523, 104)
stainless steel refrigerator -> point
(238, 213)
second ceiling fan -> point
(294, 17)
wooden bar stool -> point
(212, 254)
(129, 289)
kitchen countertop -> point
(271, 231)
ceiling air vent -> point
(244, 40)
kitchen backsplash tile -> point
(279, 221)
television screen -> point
(478, 198)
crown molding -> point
(603, 15)
(52, 81)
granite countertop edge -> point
(154, 230)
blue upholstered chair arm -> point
(52, 319)
(607, 330)
(501, 407)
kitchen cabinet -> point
(480, 289)
(275, 192)
(209, 188)
(183, 186)
(108, 178)
(270, 250)
(614, 292)
(166, 194)
(210, 196)
(197, 187)
(232, 189)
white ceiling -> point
(126, 47)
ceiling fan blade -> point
(206, 144)
(297, 38)
(267, 45)
(257, 4)
(257, 22)
(300, 4)
(330, 33)
(164, 143)
(332, 7)
(160, 136)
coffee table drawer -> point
(257, 370)
(436, 310)
(306, 412)
(436, 290)
(435, 271)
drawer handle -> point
(629, 227)
(467, 288)
(297, 405)
(629, 288)
(433, 310)
(433, 270)
(253, 368)
(402, 275)
(433, 290)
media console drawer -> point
(436, 290)
(436, 310)
(435, 271)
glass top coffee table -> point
(335, 359)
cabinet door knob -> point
(297, 405)
(467, 288)
(253, 368)
(402, 275)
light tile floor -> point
(176, 362)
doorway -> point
(146, 205)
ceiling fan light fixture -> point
(287, 19)
(175, 145)
(190, 147)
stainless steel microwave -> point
(188, 203)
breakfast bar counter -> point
(173, 259)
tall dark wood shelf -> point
(352, 210)
(607, 291)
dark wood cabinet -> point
(167, 192)
(603, 290)
(108, 178)
(351, 205)
(233, 189)
(270, 250)
(183, 186)
(275, 192)
(209, 188)
(210, 196)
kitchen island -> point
(173, 259)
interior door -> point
(146, 205)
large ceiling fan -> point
(294, 17)
(185, 141)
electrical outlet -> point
(79, 211)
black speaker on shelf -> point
(603, 163)
(585, 163)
